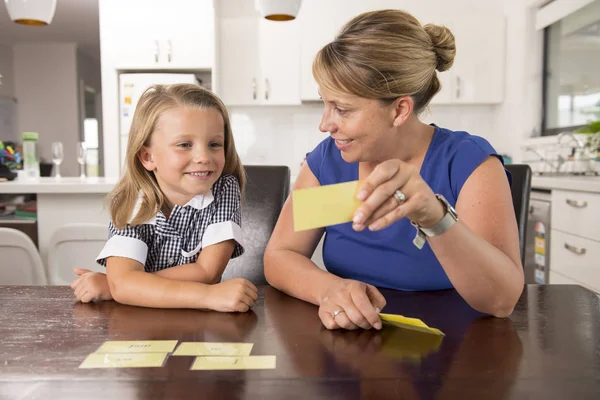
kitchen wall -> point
(46, 87)
(8, 131)
(6, 70)
(282, 135)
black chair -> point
(521, 188)
(266, 191)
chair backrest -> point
(20, 261)
(266, 191)
(521, 188)
(75, 246)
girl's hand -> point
(234, 295)
(381, 208)
(351, 304)
(90, 286)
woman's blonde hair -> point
(137, 180)
(384, 55)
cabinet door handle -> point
(577, 204)
(170, 52)
(156, 51)
(253, 88)
(458, 87)
(266, 89)
(577, 250)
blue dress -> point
(388, 258)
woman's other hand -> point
(383, 205)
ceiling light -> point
(278, 10)
(31, 12)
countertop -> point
(62, 185)
(578, 183)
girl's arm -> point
(129, 284)
(207, 269)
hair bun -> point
(443, 45)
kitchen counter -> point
(62, 185)
(589, 184)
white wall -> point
(8, 129)
(282, 135)
(47, 91)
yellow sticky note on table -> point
(138, 346)
(213, 349)
(408, 323)
(324, 205)
(230, 363)
(124, 360)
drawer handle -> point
(577, 204)
(577, 250)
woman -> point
(375, 79)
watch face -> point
(449, 207)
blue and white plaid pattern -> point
(178, 239)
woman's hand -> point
(351, 304)
(234, 295)
(381, 207)
(90, 286)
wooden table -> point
(548, 349)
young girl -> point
(175, 214)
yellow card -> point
(138, 346)
(324, 205)
(124, 360)
(222, 363)
(213, 349)
(408, 323)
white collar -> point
(198, 202)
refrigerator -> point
(131, 87)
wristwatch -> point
(440, 227)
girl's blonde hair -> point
(153, 103)
(384, 55)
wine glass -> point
(57, 157)
(81, 156)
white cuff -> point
(221, 232)
(123, 246)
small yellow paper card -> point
(124, 360)
(213, 349)
(321, 206)
(408, 323)
(227, 363)
(139, 346)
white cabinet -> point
(575, 238)
(259, 61)
(477, 76)
(158, 34)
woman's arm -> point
(288, 267)
(288, 264)
(480, 253)
(129, 284)
(208, 268)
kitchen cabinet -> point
(259, 61)
(158, 34)
(477, 76)
(575, 243)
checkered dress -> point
(167, 242)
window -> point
(571, 63)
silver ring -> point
(399, 196)
(335, 313)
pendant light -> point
(278, 10)
(31, 12)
